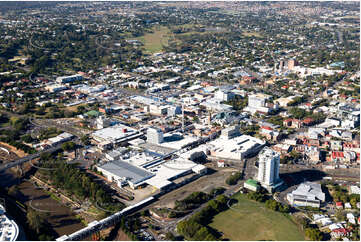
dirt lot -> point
(121, 236)
(140, 194)
(13, 153)
(61, 218)
(204, 184)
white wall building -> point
(307, 194)
(268, 168)
(154, 136)
(257, 103)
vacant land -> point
(252, 34)
(204, 184)
(154, 42)
(250, 220)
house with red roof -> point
(308, 121)
(340, 232)
(292, 123)
(339, 205)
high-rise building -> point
(291, 64)
(258, 103)
(268, 168)
(154, 136)
(282, 65)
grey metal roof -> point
(124, 169)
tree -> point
(340, 215)
(13, 190)
(85, 140)
(68, 146)
(313, 234)
(298, 113)
(36, 220)
(170, 236)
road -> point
(28, 158)
(172, 224)
(62, 125)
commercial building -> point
(251, 185)
(124, 173)
(156, 109)
(268, 169)
(224, 95)
(68, 79)
(54, 87)
(154, 136)
(103, 122)
(61, 138)
(216, 105)
(114, 134)
(235, 148)
(231, 132)
(307, 194)
(260, 103)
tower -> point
(291, 64)
(268, 168)
(154, 136)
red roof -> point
(266, 127)
(341, 231)
(337, 154)
(308, 120)
(339, 204)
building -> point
(251, 185)
(354, 190)
(61, 138)
(268, 169)
(154, 136)
(157, 109)
(284, 101)
(291, 64)
(9, 230)
(259, 103)
(236, 148)
(307, 194)
(102, 122)
(231, 132)
(68, 79)
(124, 173)
(115, 134)
(224, 95)
(55, 87)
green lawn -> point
(153, 42)
(250, 34)
(250, 220)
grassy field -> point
(153, 42)
(250, 220)
(250, 34)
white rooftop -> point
(169, 170)
(235, 147)
(177, 140)
(310, 190)
(113, 133)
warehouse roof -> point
(124, 169)
(113, 133)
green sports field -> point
(153, 42)
(250, 220)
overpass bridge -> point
(28, 158)
(106, 222)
